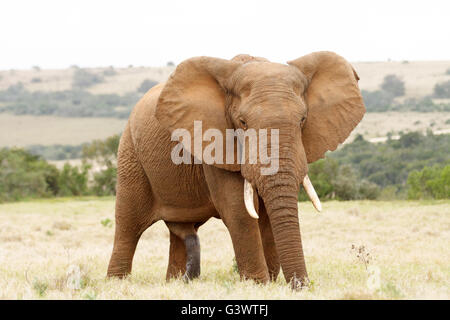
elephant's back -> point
(182, 185)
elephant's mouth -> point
(250, 205)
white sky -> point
(57, 34)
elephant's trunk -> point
(280, 198)
(280, 195)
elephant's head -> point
(313, 101)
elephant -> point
(314, 102)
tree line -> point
(416, 166)
(392, 87)
(78, 102)
(24, 175)
(389, 170)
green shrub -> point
(393, 85)
(332, 181)
(69, 103)
(430, 182)
(84, 79)
(105, 182)
(23, 175)
(377, 166)
(103, 152)
(56, 151)
(109, 72)
(442, 90)
(377, 101)
(73, 181)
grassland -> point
(41, 241)
(47, 130)
(420, 77)
(26, 130)
(379, 124)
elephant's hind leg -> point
(133, 208)
(184, 255)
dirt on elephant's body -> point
(42, 241)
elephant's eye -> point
(243, 123)
(302, 121)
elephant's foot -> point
(122, 256)
(184, 255)
(192, 244)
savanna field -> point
(60, 249)
(58, 245)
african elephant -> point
(314, 102)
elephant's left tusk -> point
(312, 193)
(248, 200)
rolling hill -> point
(419, 77)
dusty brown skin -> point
(314, 101)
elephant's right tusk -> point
(248, 200)
(312, 193)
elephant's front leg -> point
(184, 254)
(227, 194)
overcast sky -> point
(60, 33)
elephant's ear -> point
(334, 101)
(196, 92)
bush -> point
(425, 104)
(23, 175)
(332, 181)
(69, 103)
(104, 153)
(109, 72)
(377, 101)
(442, 90)
(73, 181)
(430, 182)
(388, 164)
(105, 182)
(146, 85)
(84, 79)
(368, 190)
(56, 151)
(393, 85)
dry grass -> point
(420, 77)
(125, 79)
(379, 124)
(44, 243)
(47, 130)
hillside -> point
(419, 77)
